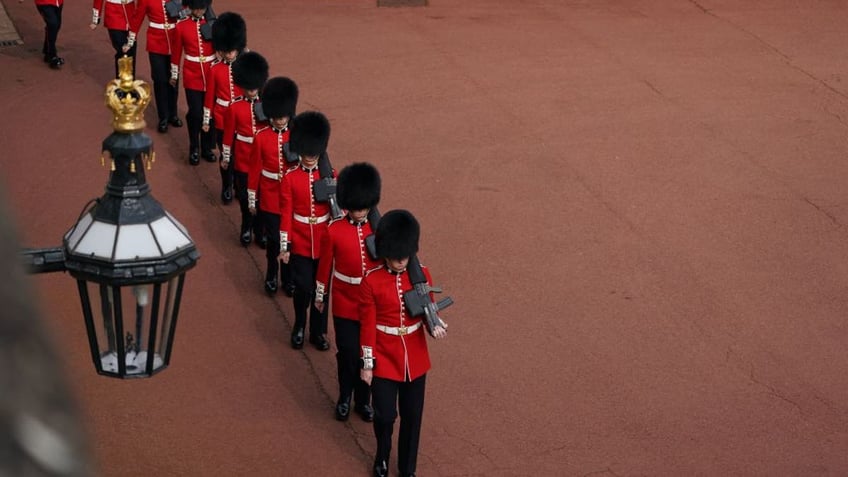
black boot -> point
(381, 468)
(343, 408)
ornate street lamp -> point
(127, 253)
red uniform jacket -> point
(267, 167)
(55, 3)
(117, 15)
(344, 254)
(199, 54)
(160, 29)
(220, 92)
(240, 125)
(303, 222)
(397, 357)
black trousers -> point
(226, 174)
(347, 360)
(391, 397)
(303, 271)
(270, 225)
(240, 187)
(165, 94)
(194, 122)
(119, 39)
(52, 16)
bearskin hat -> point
(229, 32)
(358, 187)
(310, 133)
(250, 70)
(196, 4)
(397, 235)
(279, 97)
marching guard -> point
(160, 43)
(229, 38)
(394, 354)
(250, 72)
(197, 54)
(303, 223)
(267, 168)
(343, 262)
(51, 13)
(116, 18)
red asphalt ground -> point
(638, 207)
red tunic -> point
(303, 221)
(343, 253)
(160, 29)
(55, 3)
(220, 92)
(199, 54)
(240, 125)
(117, 14)
(267, 167)
(397, 357)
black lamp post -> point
(127, 253)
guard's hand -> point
(225, 165)
(172, 82)
(366, 375)
(93, 26)
(440, 331)
(319, 306)
(125, 48)
(252, 210)
(285, 256)
(205, 128)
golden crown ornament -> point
(127, 97)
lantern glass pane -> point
(98, 240)
(75, 234)
(170, 235)
(134, 242)
(125, 319)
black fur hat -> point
(310, 133)
(397, 235)
(358, 187)
(279, 97)
(250, 70)
(196, 4)
(229, 32)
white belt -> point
(119, 2)
(247, 139)
(222, 102)
(270, 175)
(311, 220)
(399, 330)
(347, 279)
(161, 26)
(200, 59)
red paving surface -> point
(637, 206)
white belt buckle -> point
(402, 330)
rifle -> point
(418, 300)
(325, 188)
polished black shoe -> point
(194, 158)
(244, 238)
(208, 156)
(288, 289)
(365, 411)
(261, 240)
(56, 62)
(176, 122)
(343, 409)
(227, 195)
(407, 474)
(320, 342)
(270, 286)
(297, 338)
(381, 469)
(163, 126)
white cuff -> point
(367, 358)
(131, 39)
(207, 116)
(175, 71)
(251, 198)
(225, 153)
(95, 16)
(320, 290)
